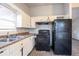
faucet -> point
(7, 36)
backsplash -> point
(13, 31)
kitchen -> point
(23, 25)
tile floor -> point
(41, 53)
(75, 50)
(75, 47)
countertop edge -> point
(16, 41)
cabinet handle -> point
(21, 51)
(1, 52)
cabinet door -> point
(26, 46)
(15, 49)
(26, 21)
(32, 40)
(23, 20)
(4, 51)
(30, 44)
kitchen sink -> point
(11, 38)
(3, 39)
(15, 38)
(3, 43)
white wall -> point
(75, 28)
(75, 23)
(58, 9)
(66, 9)
(49, 10)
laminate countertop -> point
(5, 44)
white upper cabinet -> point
(23, 20)
(28, 21)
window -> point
(8, 18)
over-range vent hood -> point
(20, 27)
(24, 28)
(40, 23)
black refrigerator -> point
(62, 36)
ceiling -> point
(38, 4)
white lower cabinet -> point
(32, 42)
(4, 51)
(28, 45)
(15, 49)
(25, 46)
(20, 48)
